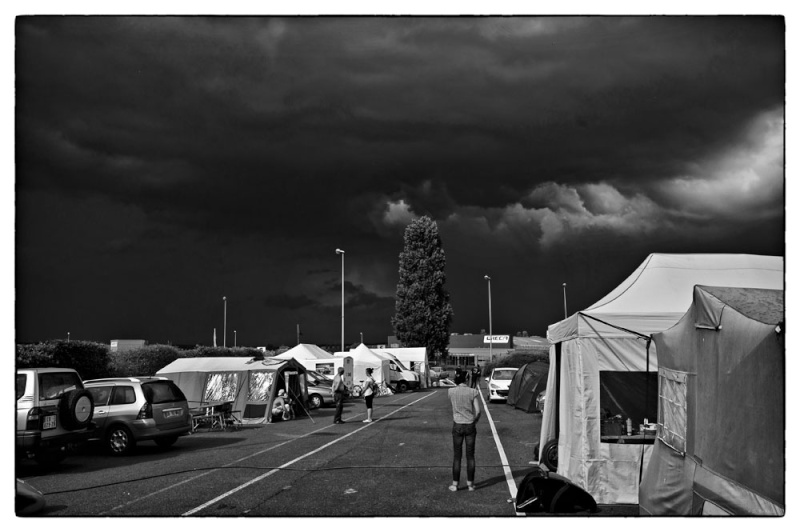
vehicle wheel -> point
(166, 441)
(314, 401)
(49, 458)
(402, 386)
(119, 441)
(550, 455)
(76, 409)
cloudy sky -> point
(165, 162)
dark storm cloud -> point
(257, 146)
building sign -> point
(495, 339)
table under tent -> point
(721, 425)
(604, 368)
(249, 384)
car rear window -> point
(22, 381)
(162, 392)
(54, 385)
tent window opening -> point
(672, 409)
(221, 387)
(626, 395)
(259, 386)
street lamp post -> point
(362, 337)
(67, 336)
(341, 252)
(565, 300)
(225, 322)
(234, 338)
(489, 285)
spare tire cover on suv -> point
(76, 409)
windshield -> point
(315, 379)
(503, 374)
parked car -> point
(319, 389)
(499, 381)
(540, 400)
(134, 409)
(54, 413)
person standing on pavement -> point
(338, 389)
(466, 413)
(369, 394)
(476, 375)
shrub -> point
(89, 359)
(143, 361)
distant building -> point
(469, 349)
(120, 346)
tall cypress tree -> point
(422, 310)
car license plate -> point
(49, 422)
(173, 413)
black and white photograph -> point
(398, 265)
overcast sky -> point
(165, 162)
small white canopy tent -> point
(601, 359)
(303, 352)
(363, 358)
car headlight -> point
(493, 386)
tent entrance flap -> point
(258, 395)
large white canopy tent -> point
(304, 352)
(602, 360)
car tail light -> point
(34, 419)
(146, 412)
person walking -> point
(476, 376)
(338, 389)
(466, 413)
(369, 394)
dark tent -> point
(528, 381)
(721, 408)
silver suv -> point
(54, 412)
(133, 409)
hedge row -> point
(94, 360)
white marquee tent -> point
(303, 352)
(602, 362)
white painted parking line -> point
(512, 486)
(287, 464)
(162, 490)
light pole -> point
(234, 338)
(362, 337)
(565, 300)
(67, 336)
(225, 322)
(341, 252)
(489, 285)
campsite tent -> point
(602, 361)
(528, 382)
(303, 352)
(721, 411)
(250, 384)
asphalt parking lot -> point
(398, 466)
